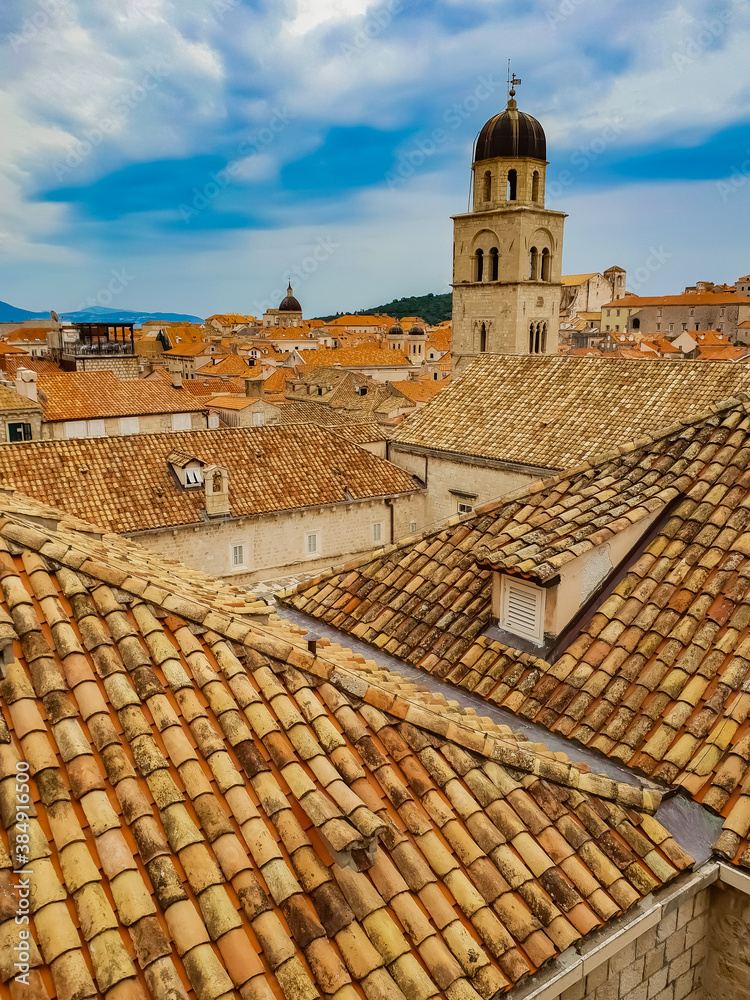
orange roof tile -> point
(218, 809)
(233, 365)
(420, 392)
(89, 395)
(126, 483)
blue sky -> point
(193, 154)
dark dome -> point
(415, 330)
(511, 133)
(289, 304)
(395, 331)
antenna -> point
(513, 82)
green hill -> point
(432, 308)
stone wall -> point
(276, 544)
(150, 423)
(124, 366)
(471, 483)
(727, 974)
(668, 962)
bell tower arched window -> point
(495, 263)
(512, 183)
(480, 265)
(535, 186)
(545, 265)
(533, 264)
(488, 185)
(483, 338)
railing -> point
(105, 349)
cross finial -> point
(513, 82)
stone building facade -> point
(671, 315)
(507, 251)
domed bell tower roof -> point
(511, 134)
(289, 304)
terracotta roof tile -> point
(264, 820)
(87, 395)
(553, 412)
(127, 484)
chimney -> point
(254, 387)
(26, 384)
(216, 485)
(176, 380)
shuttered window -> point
(522, 609)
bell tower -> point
(507, 251)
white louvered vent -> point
(522, 609)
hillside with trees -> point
(432, 308)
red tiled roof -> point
(89, 395)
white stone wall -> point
(727, 975)
(125, 366)
(275, 544)
(154, 423)
(667, 962)
(445, 474)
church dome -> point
(289, 304)
(511, 134)
(415, 330)
(396, 331)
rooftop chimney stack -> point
(176, 380)
(26, 384)
(216, 484)
(254, 387)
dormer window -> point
(522, 608)
(193, 477)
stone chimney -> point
(176, 380)
(254, 387)
(26, 384)
(216, 484)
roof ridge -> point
(622, 449)
(524, 491)
(451, 723)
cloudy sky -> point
(190, 155)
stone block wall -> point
(728, 953)
(668, 962)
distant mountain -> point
(432, 308)
(96, 314)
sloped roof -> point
(577, 279)
(686, 299)
(552, 412)
(10, 363)
(28, 334)
(217, 809)
(125, 482)
(659, 673)
(233, 365)
(12, 400)
(420, 392)
(88, 395)
(189, 350)
(10, 349)
(363, 433)
(369, 355)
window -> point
(522, 608)
(692, 312)
(19, 432)
(487, 185)
(480, 264)
(75, 428)
(636, 324)
(311, 543)
(129, 425)
(671, 327)
(193, 477)
(464, 508)
(377, 532)
(533, 264)
(180, 421)
(259, 419)
(658, 326)
(545, 265)
(412, 526)
(535, 186)
(684, 326)
(95, 429)
(495, 263)
(618, 312)
(483, 338)
(238, 555)
(512, 181)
